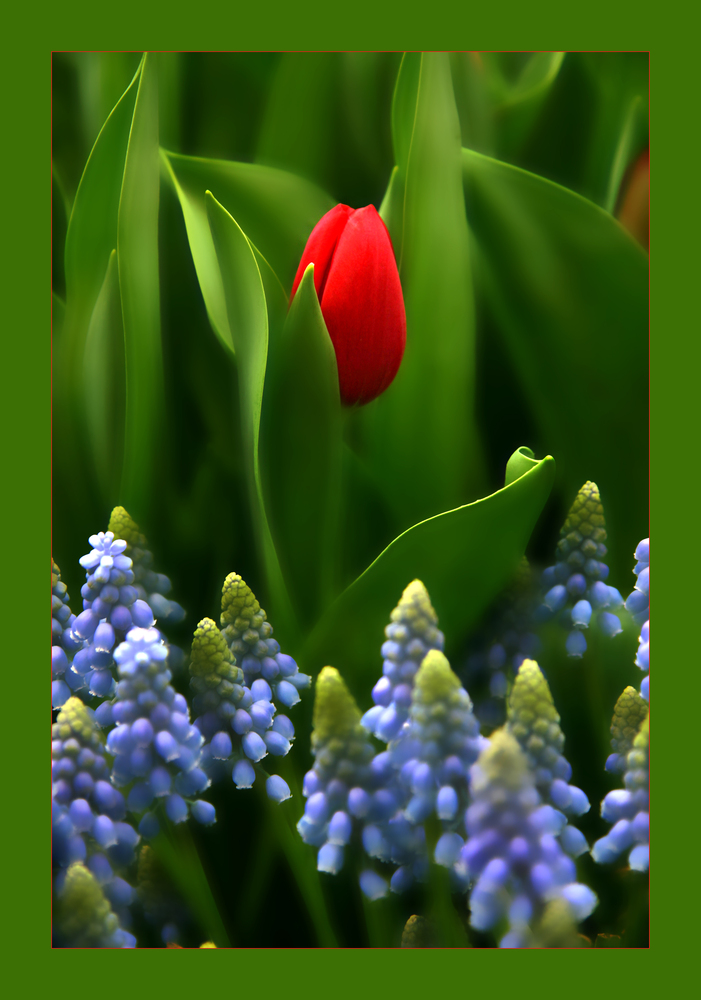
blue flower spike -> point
(238, 723)
(156, 748)
(412, 632)
(628, 715)
(638, 604)
(575, 587)
(83, 917)
(432, 757)
(628, 809)
(87, 811)
(512, 855)
(534, 721)
(151, 587)
(63, 645)
(250, 637)
(339, 785)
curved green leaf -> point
(302, 452)
(429, 408)
(248, 323)
(463, 556)
(276, 210)
(90, 239)
(137, 258)
(521, 462)
(568, 290)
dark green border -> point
(25, 400)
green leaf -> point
(247, 320)
(302, 452)
(519, 464)
(567, 288)
(137, 257)
(105, 386)
(90, 239)
(429, 408)
(463, 556)
(522, 103)
(276, 210)
(296, 132)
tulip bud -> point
(360, 295)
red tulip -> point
(357, 282)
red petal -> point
(363, 307)
(320, 247)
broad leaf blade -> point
(276, 210)
(429, 408)
(463, 556)
(248, 323)
(302, 454)
(567, 288)
(137, 256)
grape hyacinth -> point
(156, 748)
(341, 784)
(629, 809)
(512, 853)
(412, 632)
(575, 587)
(150, 586)
(238, 723)
(638, 604)
(83, 917)
(63, 645)
(432, 757)
(535, 723)
(88, 812)
(250, 638)
(628, 715)
(510, 634)
(110, 608)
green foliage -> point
(463, 556)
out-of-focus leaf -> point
(519, 108)
(301, 444)
(102, 79)
(628, 144)
(91, 237)
(473, 101)
(60, 211)
(463, 556)
(137, 258)
(568, 290)
(58, 312)
(297, 129)
(104, 386)
(576, 139)
(276, 210)
(247, 321)
(420, 433)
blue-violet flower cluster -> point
(412, 632)
(512, 853)
(250, 637)
(533, 720)
(238, 723)
(574, 586)
(629, 809)
(156, 748)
